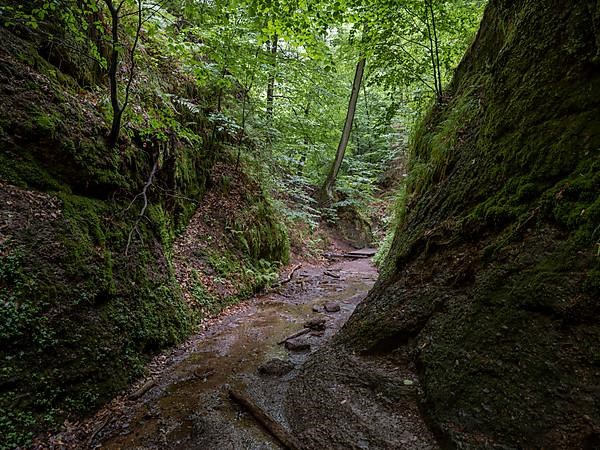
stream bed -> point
(184, 403)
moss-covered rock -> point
(492, 277)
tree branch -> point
(141, 215)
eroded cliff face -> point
(87, 281)
(493, 278)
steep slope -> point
(87, 282)
(493, 279)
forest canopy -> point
(282, 70)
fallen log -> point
(295, 335)
(141, 391)
(274, 428)
(364, 252)
(345, 255)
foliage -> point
(198, 80)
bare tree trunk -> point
(271, 80)
(366, 97)
(326, 193)
(437, 49)
(117, 108)
(433, 48)
(242, 130)
(302, 160)
(112, 75)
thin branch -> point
(413, 14)
(416, 75)
(141, 215)
(411, 41)
(132, 56)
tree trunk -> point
(302, 160)
(434, 49)
(326, 193)
(117, 107)
(271, 80)
(112, 75)
(437, 49)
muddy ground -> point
(321, 395)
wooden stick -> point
(295, 335)
(98, 429)
(273, 427)
(142, 390)
(203, 375)
(344, 255)
(289, 278)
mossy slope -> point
(87, 291)
(234, 245)
(493, 277)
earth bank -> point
(88, 291)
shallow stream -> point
(185, 402)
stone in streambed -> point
(316, 324)
(332, 307)
(297, 345)
(276, 367)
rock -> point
(204, 373)
(316, 324)
(316, 308)
(332, 307)
(297, 345)
(276, 367)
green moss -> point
(45, 124)
(433, 149)
(249, 275)
(15, 284)
(76, 305)
(492, 277)
(23, 171)
(398, 217)
(205, 300)
(87, 291)
(259, 234)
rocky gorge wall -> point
(493, 278)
